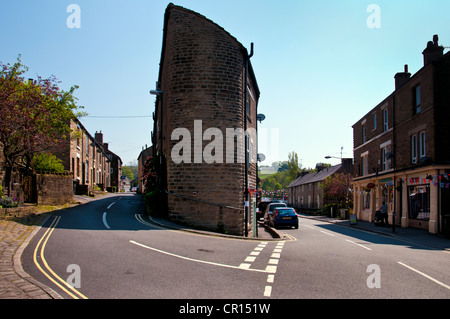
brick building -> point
(207, 95)
(402, 148)
(142, 159)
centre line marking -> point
(329, 234)
(110, 205)
(350, 241)
(104, 221)
(425, 275)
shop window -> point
(419, 202)
(366, 200)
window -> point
(364, 164)
(363, 133)
(366, 200)
(414, 149)
(422, 144)
(385, 120)
(87, 145)
(386, 157)
(417, 107)
(419, 202)
(374, 121)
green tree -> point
(34, 116)
(127, 171)
(293, 165)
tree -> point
(34, 116)
(293, 165)
(336, 189)
(126, 171)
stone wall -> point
(54, 189)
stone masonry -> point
(202, 74)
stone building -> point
(402, 148)
(89, 160)
(305, 192)
(205, 124)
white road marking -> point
(111, 205)
(425, 275)
(350, 241)
(104, 221)
(327, 233)
(243, 266)
(267, 291)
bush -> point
(47, 162)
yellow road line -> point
(47, 236)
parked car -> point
(269, 210)
(284, 216)
(262, 208)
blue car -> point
(284, 216)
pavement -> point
(16, 233)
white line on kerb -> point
(425, 275)
(104, 221)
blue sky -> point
(320, 68)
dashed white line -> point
(350, 241)
(327, 233)
(110, 205)
(267, 291)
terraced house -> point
(91, 163)
(402, 148)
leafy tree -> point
(127, 171)
(336, 189)
(34, 116)
(293, 165)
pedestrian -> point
(384, 213)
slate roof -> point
(317, 176)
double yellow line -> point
(75, 294)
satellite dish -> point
(261, 157)
(260, 117)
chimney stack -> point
(402, 77)
(433, 51)
(99, 137)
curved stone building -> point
(206, 100)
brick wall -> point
(202, 78)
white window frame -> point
(385, 119)
(422, 141)
(414, 149)
(365, 163)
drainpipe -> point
(246, 143)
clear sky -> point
(319, 65)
